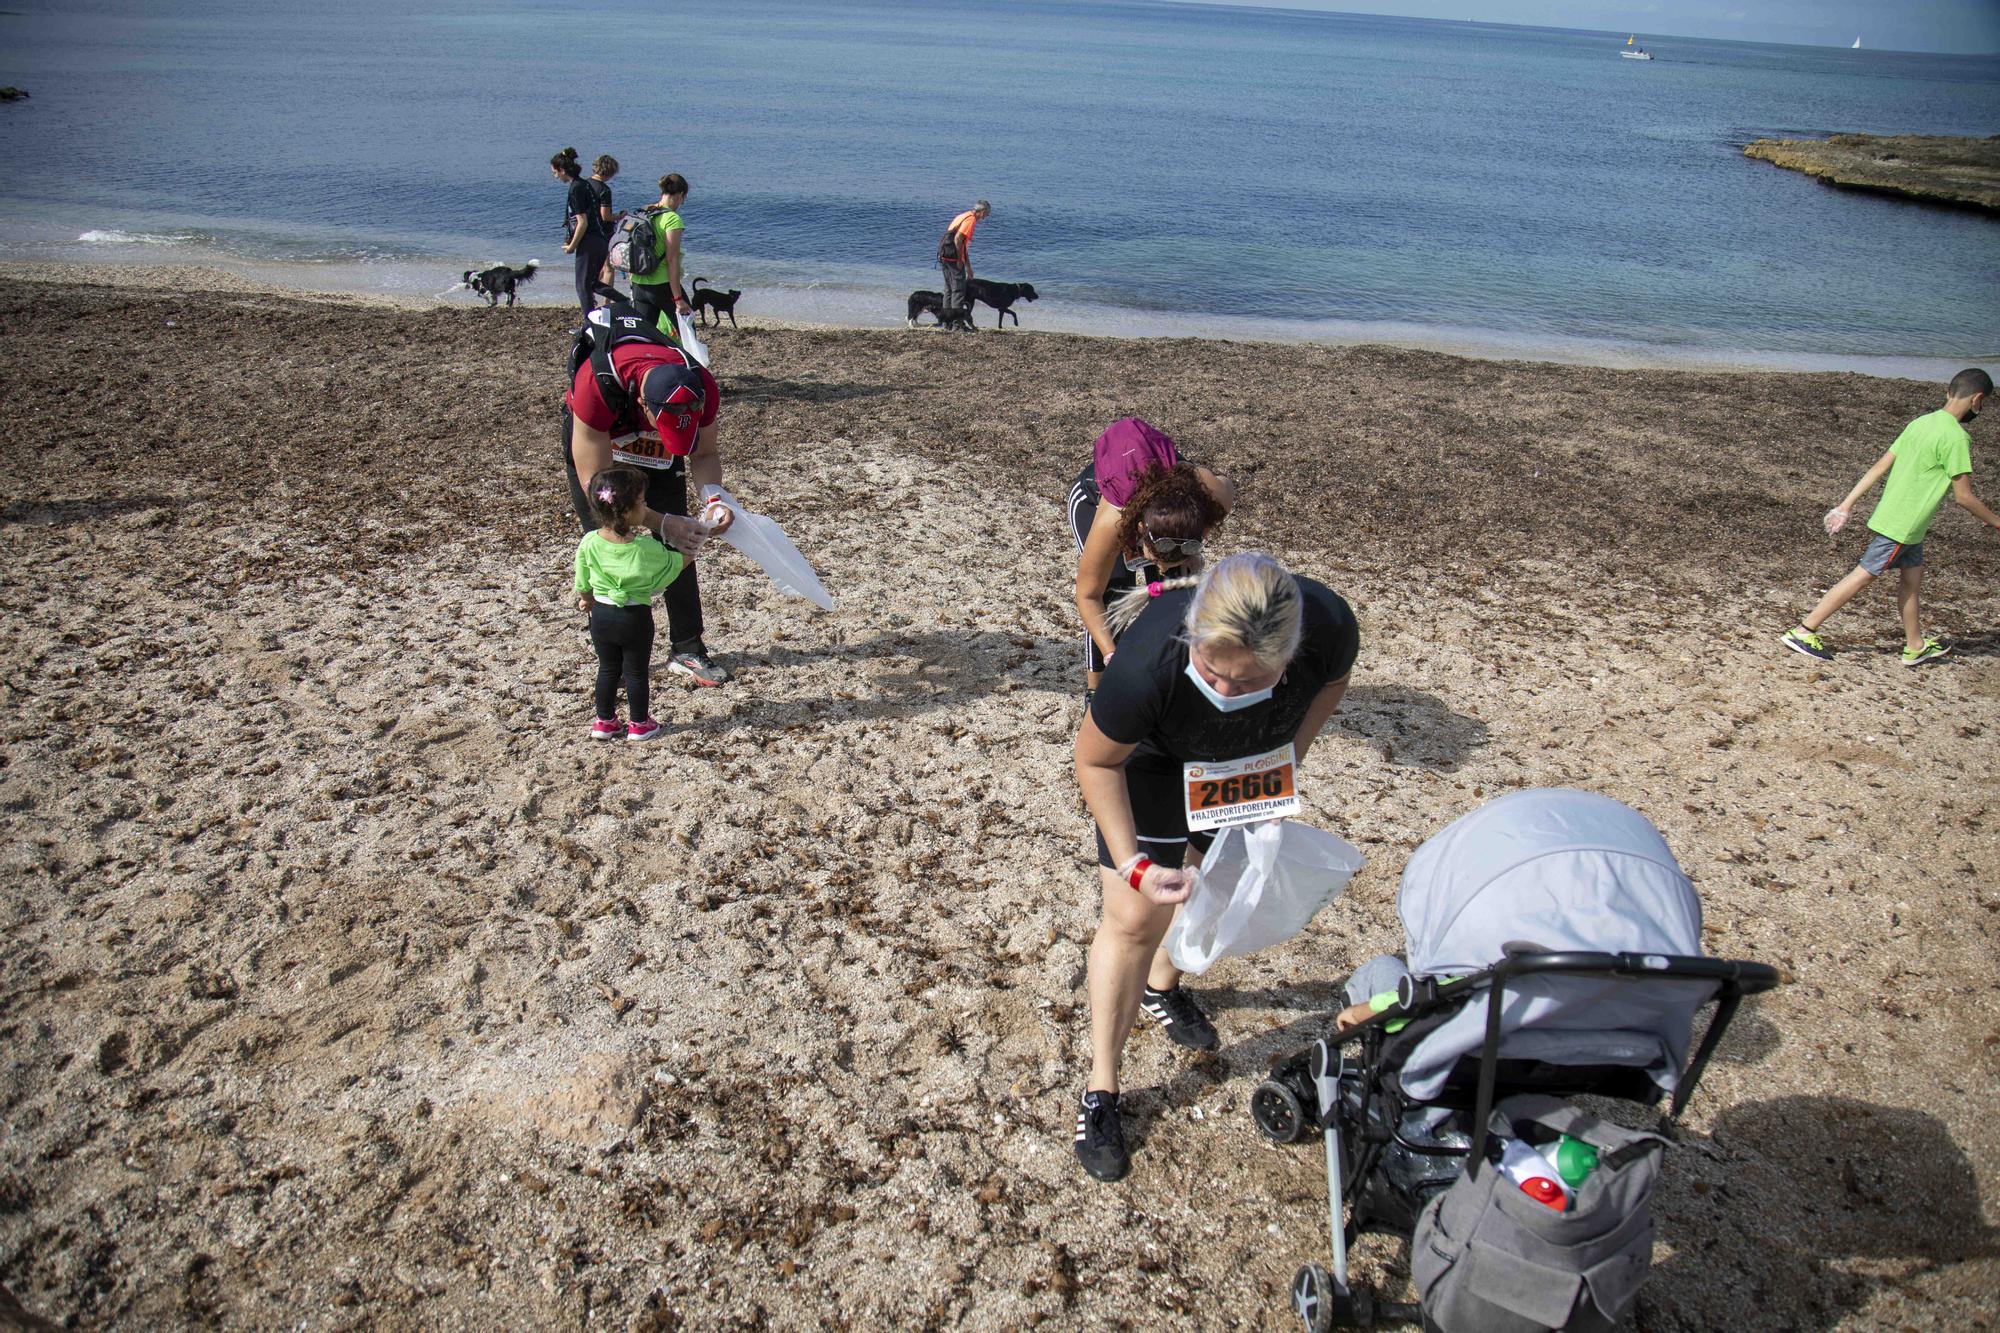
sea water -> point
(1153, 168)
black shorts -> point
(1083, 501)
(1159, 815)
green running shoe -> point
(1932, 650)
(1800, 639)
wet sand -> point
(348, 984)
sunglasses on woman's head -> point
(1173, 547)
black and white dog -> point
(722, 303)
(498, 281)
(1001, 296)
(932, 304)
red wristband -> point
(1139, 869)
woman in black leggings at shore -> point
(585, 234)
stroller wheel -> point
(1276, 1109)
(1325, 1305)
(1314, 1298)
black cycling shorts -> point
(1159, 815)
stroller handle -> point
(1743, 978)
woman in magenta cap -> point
(1128, 456)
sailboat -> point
(1856, 46)
(1632, 52)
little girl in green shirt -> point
(620, 568)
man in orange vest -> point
(955, 258)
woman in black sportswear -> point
(585, 234)
(1249, 661)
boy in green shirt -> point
(1933, 455)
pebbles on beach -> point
(346, 975)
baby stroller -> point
(1554, 950)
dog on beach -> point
(498, 281)
(1001, 296)
(722, 303)
(932, 304)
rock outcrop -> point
(1963, 173)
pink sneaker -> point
(605, 729)
(644, 731)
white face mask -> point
(1226, 703)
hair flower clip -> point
(604, 494)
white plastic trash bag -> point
(1259, 885)
(766, 543)
(691, 342)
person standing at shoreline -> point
(584, 234)
(1931, 457)
(658, 291)
(955, 258)
(601, 172)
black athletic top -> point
(1147, 700)
(602, 201)
(581, 199)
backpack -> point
(623, 324)
(948, 247)
(643, 251)
(1486, 1258)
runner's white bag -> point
(766, 543)
(691, 341)
(1259, 885)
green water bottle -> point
(1574, 1160)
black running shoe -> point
(1176, 1011)
(1100, 1139)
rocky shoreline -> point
(1936, 169)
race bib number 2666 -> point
(1242, 791)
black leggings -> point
(591, 252)
(623, 637)
(666, 493)
(656, 299)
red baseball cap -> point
(676, 396)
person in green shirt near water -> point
(1932, 456)
(659, 292)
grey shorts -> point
(1884, 555)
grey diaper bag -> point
(1487, 1258)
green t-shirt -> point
(664, 221)
(1929, 453)
(625, 572)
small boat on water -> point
(1856, 46)
(1632, 52)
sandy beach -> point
(347, 984)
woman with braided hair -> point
(1161, 532)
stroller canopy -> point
(1557, 869)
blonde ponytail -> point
(1252, 601)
